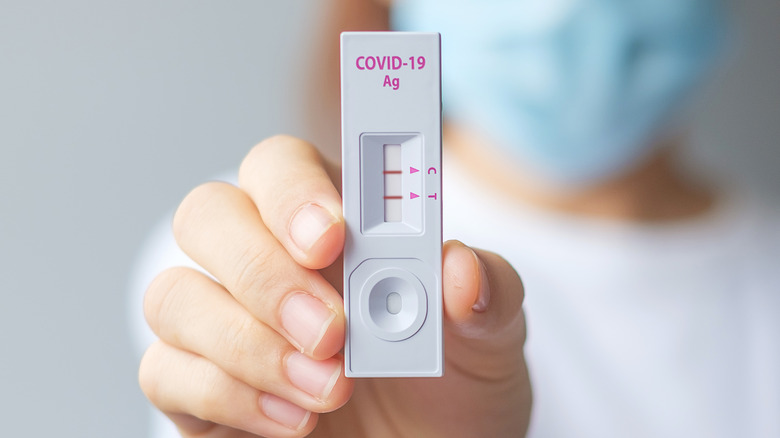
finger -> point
(193, 391)
(484, 333)
(190, 311)
(483, 297)
(297, 199)
(219, 227)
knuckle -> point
(278, 143)
(187, 384)
(196, 207)
(213, 386)
(160, 299)
(237, 339)
(148, 378)
(268, 152)
(213, 398)
(258, 269)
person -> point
(651, 297)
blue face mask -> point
(577, 89)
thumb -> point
(484, 320)
(485, 391)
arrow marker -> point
(413, 195)
(413, 170)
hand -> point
(257, 352)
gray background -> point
(110, 111)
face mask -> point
(576, 89)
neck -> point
(654, 191)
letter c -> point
(357, 63)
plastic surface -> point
(391, 153)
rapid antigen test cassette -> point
(391, 153)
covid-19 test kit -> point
(391, 175)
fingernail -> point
(483, 296)
(284, 412)
(308, 224)
(316, 377)
(306, 319)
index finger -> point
(297, 198)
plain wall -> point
(110, 111)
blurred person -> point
(651, 297)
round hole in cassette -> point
(393, 304)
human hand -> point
(257, 352)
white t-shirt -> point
(633, 330)
(640, 330)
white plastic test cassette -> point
(391, 152)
